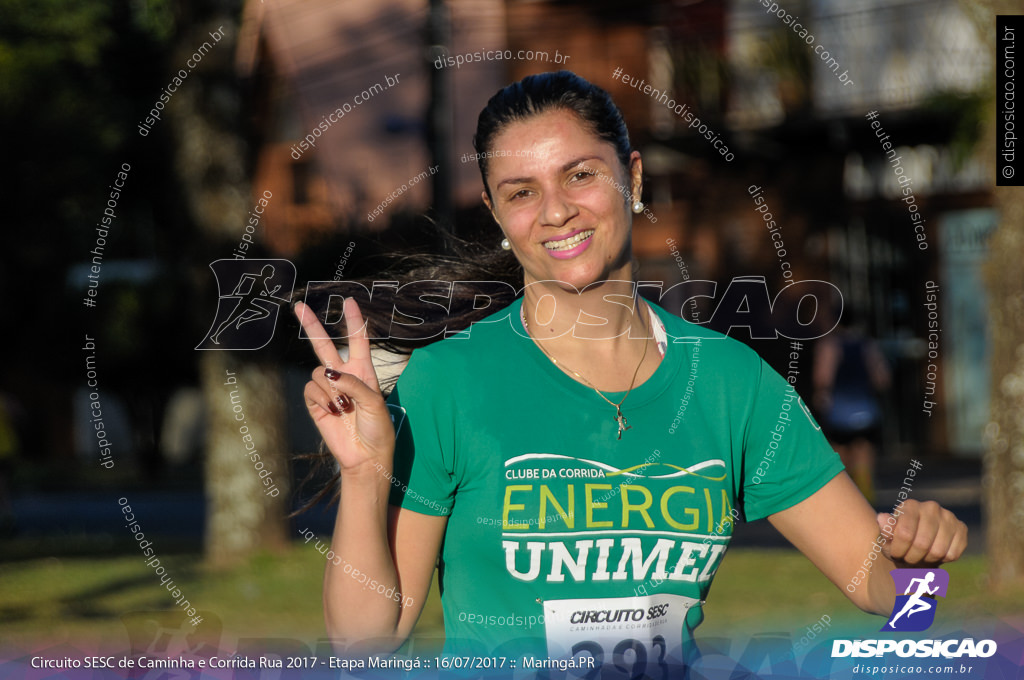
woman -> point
(850, 374)
(576, 459)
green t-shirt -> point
(564, 541)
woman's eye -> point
(522, 193)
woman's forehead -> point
(549, 138)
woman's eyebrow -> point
(568, 166)
(578, 161)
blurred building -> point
(370, 85)
(918, 70)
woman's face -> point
(563, 200)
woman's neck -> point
(606, 312)
(601, 335)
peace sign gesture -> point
(344, 397)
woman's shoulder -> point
(490, 336)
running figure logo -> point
(915, 608)
(258, 289)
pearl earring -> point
(638, 207)
(505, 245)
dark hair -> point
(434, 275)
(464, 261)
(544, 92)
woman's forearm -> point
(361, 593)
(881, 592)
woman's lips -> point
(570, 245)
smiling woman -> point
(549, 425)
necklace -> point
(620, 419)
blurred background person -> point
(850, 373)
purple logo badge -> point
(915, 608)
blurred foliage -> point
(154, 18)
(969, 113)
(48, 45)
(787, 55)
(75, 79)
(701, 76)
(62, 64)
(70, 72)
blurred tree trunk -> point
(210, 157)
(1003, 484)
(241, 518)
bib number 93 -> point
(630, 657)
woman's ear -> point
(636, 174)
(490, 206)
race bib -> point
(627, 637)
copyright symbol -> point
(1007, 171)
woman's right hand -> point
(344, 397)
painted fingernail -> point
(344, 402)
(333, 409)
(332, 374)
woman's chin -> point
(584, 270)
(578, 278)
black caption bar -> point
(1008, 165)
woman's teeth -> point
(570, 242)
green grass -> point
(81, 598)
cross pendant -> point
(621, 420)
